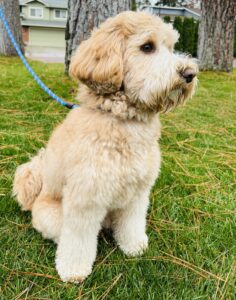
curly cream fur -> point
(101, 162)
(28, 182)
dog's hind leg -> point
(28, 181)
(47, 216)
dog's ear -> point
(98, 60)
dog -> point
(100, 163)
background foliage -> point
(188, 30)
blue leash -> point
(36, 78)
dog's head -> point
(134, 52)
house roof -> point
(196, 10)
(40, 23)
(48, 3)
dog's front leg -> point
(77, 245)
(129, 225)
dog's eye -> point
(148, 47)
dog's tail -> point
(28, 181)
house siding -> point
(24, 12)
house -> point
(43, 24)
(173, 12)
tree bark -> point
(83, 16)
(216, 31)
(11, 10)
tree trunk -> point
(216, 31)
(11, 10)
(83, 16)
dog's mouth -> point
(175, 94)
(169, 100)
(173, 99)
(178, 96)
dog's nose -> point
(188, 74)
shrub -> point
(167, 19)
(196, 26)
(188, 31)
(188, 35)
(178, 25)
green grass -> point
(191, 221)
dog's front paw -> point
(75, 273)
(134, 247)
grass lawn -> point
(191, 221)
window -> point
(36, 12)
(60, 14)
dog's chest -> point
(129, 163)
(134, 174)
